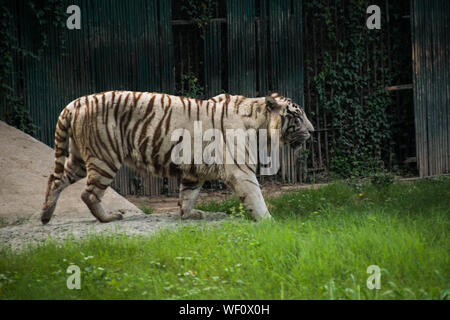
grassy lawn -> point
(319, 247)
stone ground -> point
(34, 232)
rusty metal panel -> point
(431, 67)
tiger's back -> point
(119, 126)
(123, 126)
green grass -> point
(319, 247)
(146, 209)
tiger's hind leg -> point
(189, 191)
(100, 175)
(74, 170)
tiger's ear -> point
(272, 104)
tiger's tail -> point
(57, 181)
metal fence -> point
(431, 63)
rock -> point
(25, 164)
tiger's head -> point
(295, 128)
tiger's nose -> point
(310, 127)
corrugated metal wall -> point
(213, 59)
(265, 53)
(254, 66)
(286, 60)
(241, 47)
(430, 24)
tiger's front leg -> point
(246, 187)
(189, 191)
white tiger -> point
(106, 130)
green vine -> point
(199, 11)
(192, 83)
(48, 14)
(350, 89)
(20, 117)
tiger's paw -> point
(193, 215)
(112, 216)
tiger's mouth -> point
(298, 138)
(303, 136)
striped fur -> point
(106, 130)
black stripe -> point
(102, 172)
